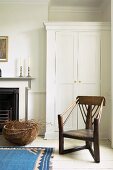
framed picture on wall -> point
(3, 48)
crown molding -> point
(77, 25)
(24, 2)
(74, 9)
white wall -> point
(81, 13)
(112, 71)
(74, 14)
(105, 126)
(23, 24)
(106, 11)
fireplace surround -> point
(9, 105)
(23, 86)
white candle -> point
(20, 61)
(29, 62)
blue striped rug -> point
(25, 158)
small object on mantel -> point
(20, 71)
(28, 72)
(0, 72)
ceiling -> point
(22, 1)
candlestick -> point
(28, 72)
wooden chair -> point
(91, 109)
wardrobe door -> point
(65, 73)
(88, 65)
(73, 68)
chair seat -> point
(81, 133)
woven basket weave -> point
(20, 133)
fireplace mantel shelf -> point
(16, 78)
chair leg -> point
(96, 141)
(61, 144)
(96, 150)
(61, 138)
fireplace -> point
(9, 105)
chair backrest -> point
(90, 108)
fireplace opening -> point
(9, 105)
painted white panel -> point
(89, 58)
(50, 80)
(76, 55)
(64, 57)
(64, 96)
(36, 109)
(88, 66)
(64, 73)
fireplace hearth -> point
(9, 105)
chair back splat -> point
(90, 108)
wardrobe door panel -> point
(88, 66)
(89, 58)
(64, 96)
(66, 73)
(64, 57)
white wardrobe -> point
(74, 52)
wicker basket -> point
(20, 133)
